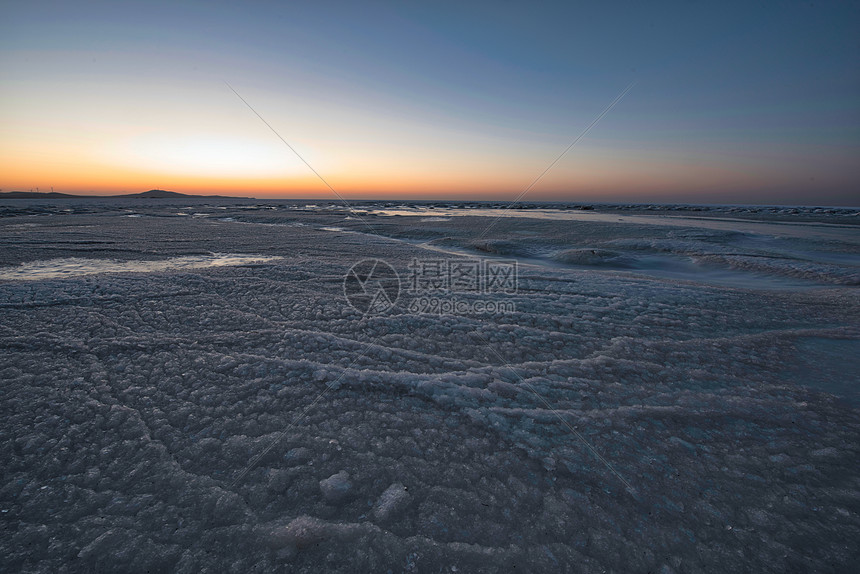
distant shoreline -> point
(151, 194)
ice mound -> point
(594, 257)
(497, 247)
(301, 533)
(336, 488)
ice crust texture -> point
(131, 401)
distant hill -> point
(151, 194)
(155, 194)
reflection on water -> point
(77, 266)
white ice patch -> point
(391, 501)
(77, 266)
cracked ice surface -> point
(131, 402)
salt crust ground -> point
(130, 402)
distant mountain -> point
(156, 194)
(151, 194)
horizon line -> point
(181, 195)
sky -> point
(731, 102)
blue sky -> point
(732, 101)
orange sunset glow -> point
(398, 107)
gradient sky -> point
(752, 102)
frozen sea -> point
(251, 386)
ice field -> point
(187, 386)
